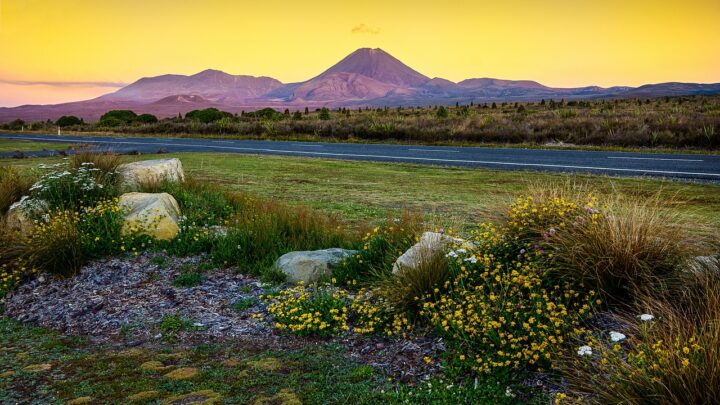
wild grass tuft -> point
(13, 185)
(627, 247)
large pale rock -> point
(20, 214)
(154, 214)
(133, 175)
(310, 266)
(430, 244)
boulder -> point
(430, 244)
(133, 175)
(20, 214)
(154, 214)
(310, 266)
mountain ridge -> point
(365, 77)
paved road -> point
(697, 167)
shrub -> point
(625, 248)
(503, 315)
(673, 358)
(118, 116)
(207, 115)
(13, 185)
(373, 314)
(73, 188)
(381, 247)
(441, 112)
(146, 119)
(324, 114)
(319, 310)
(68, 120)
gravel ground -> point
(122, 302)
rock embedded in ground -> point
(153, 214)
(430, 244)
(135, 174)
(310, 266)
(20, 214)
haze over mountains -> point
(366, 77)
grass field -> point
(7, 145)
(363, 191)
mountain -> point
(211, 84)
(366, 77)
(364, 74)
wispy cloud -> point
(62, 84)
(365, 29)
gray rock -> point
(133, 175)
(704, 264)
(310, 266)
(430, 244)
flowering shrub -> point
(71, 188)
(318, 310)
(372, 314)
(503, 314)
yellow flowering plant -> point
(372, 314)
(320, 310)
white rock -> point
(133, 175)
(310, 266)
(154, 214)
(430, 244)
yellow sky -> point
(560, 43)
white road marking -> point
(434, 150)
(399, 158)
(648, 158)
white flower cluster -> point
(464, 253)
(84, 177)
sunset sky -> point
(66, 50)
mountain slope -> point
(210, 84)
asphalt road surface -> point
(694, 167)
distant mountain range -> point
(366, 77)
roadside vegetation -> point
(558, 292)
(677, 122)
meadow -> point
(557, 284)
(690, 123)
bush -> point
(55, 245)
(320, 310)
(372, 313)
(324, 114)
(73, 188)
(115, 117)
(441, 112)
(623, 249)
(106, 163)
(68, 120)
(146, 119)
(500, 316)
(207, 115)
(381, 247)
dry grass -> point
(630, 247)
(402, 290)
(13, 185)
(106, 162)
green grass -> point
(448, 196)
(12, 145)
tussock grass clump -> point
(403, 290)
(106, 163)
(13, 185)
(622, 248)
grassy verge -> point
(362, 191)
(12, 145)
